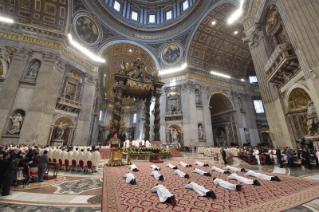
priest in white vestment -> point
(133, 168)
(154, 167)
(200, 190)
(243, 179)
(130, 178)
(157, 175)
(234, 169)
(163, 194)
(201, 172)
(227, 185)
(171, 166)
(184, 164)
(201, 164)
(181, 174)
(214, 168)
(262, 176)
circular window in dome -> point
(86, 29)
(171, 53)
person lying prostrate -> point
(201, 172)
(130, 178)
(163, 194)
(184, 164)
(234, 169)
(157, 175)
(214, 168)
(181, 174)
(243, 179)
(262, 176)
(226, 184)
(171, 166)
(203, 192)
(200, 163)
(133, 168)
(154, 167)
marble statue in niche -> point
(201, 133)
(174, 105)
(197, 97)
(59, 133)
(17, 121)
(312, 119)
(247, 134)
(33, 72)
(174, 135)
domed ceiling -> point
(218, 46)
(114, 56)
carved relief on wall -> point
(6, 55)
(174, 134)
(298, 100)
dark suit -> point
(44, 160)
(224, 156)
(3, 167)
(278, 153)
(290, 157)
(9, 176)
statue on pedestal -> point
(312, 119)
(17, 121)
(197, 98)
(174, 134)
(201, 133)
(247, 134)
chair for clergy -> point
(90, 167)
(62, 165)
(30, 175)
(50, 160)
(67, 164)
(74, 166)
(54, 160)
(81, 166)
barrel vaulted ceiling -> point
(218, 48)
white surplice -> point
(162, 192)
(179, 173)
(183, 164)
(199, 163)
(198, 171)
(258, 175)
(197, 188)
(156, 175)
(240, 179)
(170, 166)
(232, 168)
(129, 177)
(154, 167)
(214, 168)
(133, 166)
(225, 184)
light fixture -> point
(242, 80)
(130, 50)
(236, 32)
(173, 70)
(236, 14)
(85, 51)
(6, 20)
(220, 74)
(214, 23)
(104, 75)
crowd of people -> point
(18, 159)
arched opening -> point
(224, 124)
(301, 114)
(174, 135)
(62, 131)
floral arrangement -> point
(117, 164)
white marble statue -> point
(201, 133)
(34, 70)
(247, 133)
(17, 121)
(197, 98)
(174, 134)
(60, 130)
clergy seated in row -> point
(163, 194)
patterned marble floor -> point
(71, 191)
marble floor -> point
(71, 190)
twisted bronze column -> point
(157, 116)
(118, 90)
(147, 119)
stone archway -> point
(62, 130)
(175, 129)
(223, 118)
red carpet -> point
(157, 161)
(175, 153)
(270, 196)
(105, 153)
